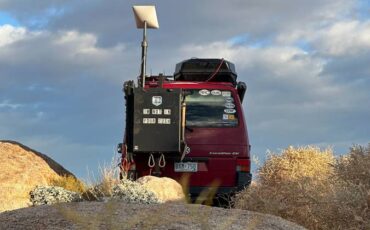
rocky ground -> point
(116, 214)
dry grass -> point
(309, 186)
(97, 188)
(109, 177)
(70, 183)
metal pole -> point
(144, 46)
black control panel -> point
(154, 117)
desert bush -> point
(42, 195)
(355, 167)
(305, 185)
(297, 163)
(133, 192)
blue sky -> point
(6, 18)
(62, 65)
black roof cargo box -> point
(205, 69)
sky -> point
(63, 63)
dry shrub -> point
(297, 163)
(108, 179)
(305, 185)
(69, 182)
(355, 167)
(102, 186)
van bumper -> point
(243, 181)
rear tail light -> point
(243, 165)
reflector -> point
(146, 14)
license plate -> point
(186, 167)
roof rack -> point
(205, 69)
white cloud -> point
(10, 34)
(6, 104)
(273, 64)
(342, 38)
(55, 57)
(78, 43)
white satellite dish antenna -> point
(146, 14)
(146, 17)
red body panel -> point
(215, 149)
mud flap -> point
(244, 179)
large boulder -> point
(21, 170)
(122, 215)
(166, 189)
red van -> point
(191, 123)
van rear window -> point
(210, 108)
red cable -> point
(216, 71)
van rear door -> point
(216, 135)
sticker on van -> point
(229, 105)
(229, 99)
(228, 117)
(226, 93)
(232, 117)
(229, 110)
(157, 100)
(204, 92)
(216, 92)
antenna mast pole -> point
(144, 46)
(146, 17)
